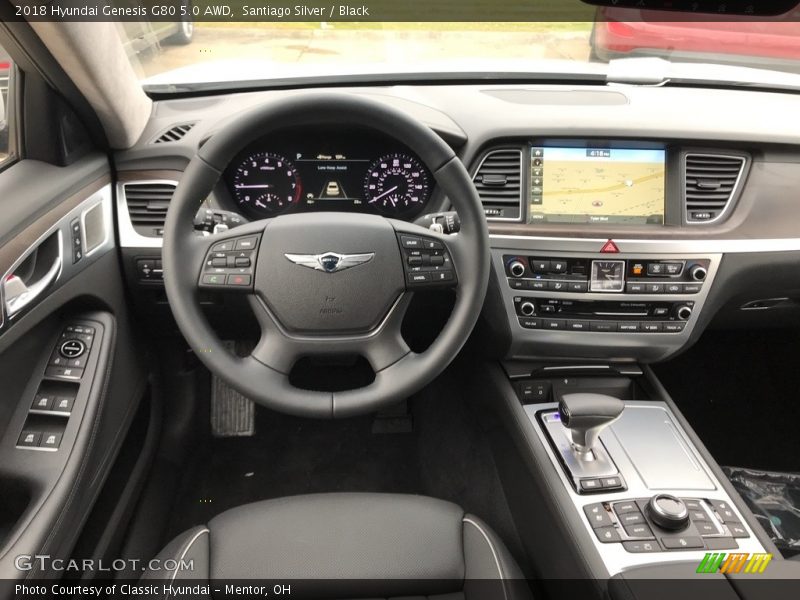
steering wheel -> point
(326, 283)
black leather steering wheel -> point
(326, 283)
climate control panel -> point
(606, 275)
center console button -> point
(655, 269)
(610, 483)
(675, 542)
(697, 515)
(639, 530)
(558, 266)
(590, 485)
(603, 326)
(553, 324)
(625, 507)
(638, 546)
(673, 327)
(725, 511)
(692, 288)
(540, 266)
(631, 518)
(655, 288)
(578, 286)
(674, 288)
(607, 534)
(557, 286)
(636, 288)
(530, 323)
(651, 327)
(598, 516)
(706, 528)
(537, 284)
(578, 325)
(737, 530)
(627, 327)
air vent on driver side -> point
(711, 183)
(499, 184)
(174, 133)
(147, 206)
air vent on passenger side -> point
(147, 206)
(499, 184)
(174, 133)
(711, 183)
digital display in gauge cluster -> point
(279, 176)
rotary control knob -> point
(527, 308)
(684, 312)
(516, 268)
(668, 512)
(698, 272)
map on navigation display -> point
(597, 185)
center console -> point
(642, 491)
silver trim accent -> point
(128, 236)
(613, 555)
(654, 506)
(639, 246)
(37, 448)
(729, 204)
(342, 261)
(18, 303)
(522, 181)
(105, 207)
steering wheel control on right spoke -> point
(426, 262)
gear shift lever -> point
(586, 415)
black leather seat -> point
(351, 545)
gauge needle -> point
(253, 187)
(383, 194)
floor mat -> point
(774, 499)
(740, 391)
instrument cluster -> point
(327, 170)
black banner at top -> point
(404, 11)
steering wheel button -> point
(248, 243)
(419, 277)
(408, 241)
(214, 279)
(242, 262)
(219, 262)
(414, 261)
(239, 280)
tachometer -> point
(396, 184)
(266, 184)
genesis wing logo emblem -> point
(330, 262)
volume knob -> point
(684, 312)
(527, 308)
(698, 272)
(516, 268)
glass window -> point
(6, 77)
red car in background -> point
(620, 33)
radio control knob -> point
(516, 268)
(698, 272)
(668, 512)
(684, 312)
(527, 308)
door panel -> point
(64, 410)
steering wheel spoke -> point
(280, 350)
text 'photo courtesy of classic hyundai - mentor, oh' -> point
(458, 299)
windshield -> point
(195, 53)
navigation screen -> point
(614, 186)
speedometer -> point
(266, 184)
(396, 184)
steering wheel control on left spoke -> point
(230, 264)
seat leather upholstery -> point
(350, 545)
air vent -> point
(711, 183)
(147, 206)
(499, 184)
(174, 133)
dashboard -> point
(326, 170)
(622, 221)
